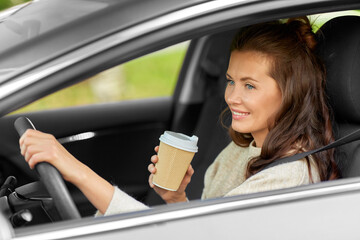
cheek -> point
(272, 105)
(247, 98)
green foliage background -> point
(9, 3)
(150, 76)
(154, 75)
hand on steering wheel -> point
(52, 179)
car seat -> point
(213, 137)
(339, 47)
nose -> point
(233, 96)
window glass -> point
(319, 19)
(153, 75)
(4, 4)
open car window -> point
(174, 88)
(150, 76)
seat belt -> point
(354, 136)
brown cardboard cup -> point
(176, 152)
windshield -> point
(22, 24)
(19, 24)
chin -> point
(241, 129)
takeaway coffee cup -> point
(176, 151)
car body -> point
(50, 45)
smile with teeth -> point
(240, 114)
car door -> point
(115, 138)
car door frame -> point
(345, 187)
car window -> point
(319, 19)
(123, 82)
(23, 28)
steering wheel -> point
(51, 179)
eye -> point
(229, 82)
(249, 86)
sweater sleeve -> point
(283, 176)
(121, 203)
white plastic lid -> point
(180, 141)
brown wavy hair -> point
(303, 121)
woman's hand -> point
(39, 147)
(166, 195)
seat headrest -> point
(339, 47)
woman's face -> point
(251, 94)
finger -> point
(38, 158)
(27, 153)
(185, 182)
(187, 177)
(154, 159)
(156, 149)
(31, 133)
(152, 168)
(34, 149)
(23, 148)
(25, 135)
(32, 136)
(36, 144)
(26, 143)
(151, 181)
(190, 171)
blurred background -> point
(154, 75)
(9, 3)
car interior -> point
(337, 40)
(117, 126)
(338, 47)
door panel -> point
(116, 140)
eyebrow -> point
(243, 78)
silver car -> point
(48, 46)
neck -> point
(259, 138)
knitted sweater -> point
(226, 177)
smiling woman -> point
(252, 95)
(288, 79)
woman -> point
(275, 92)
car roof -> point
(83, 17)
(58, 25)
